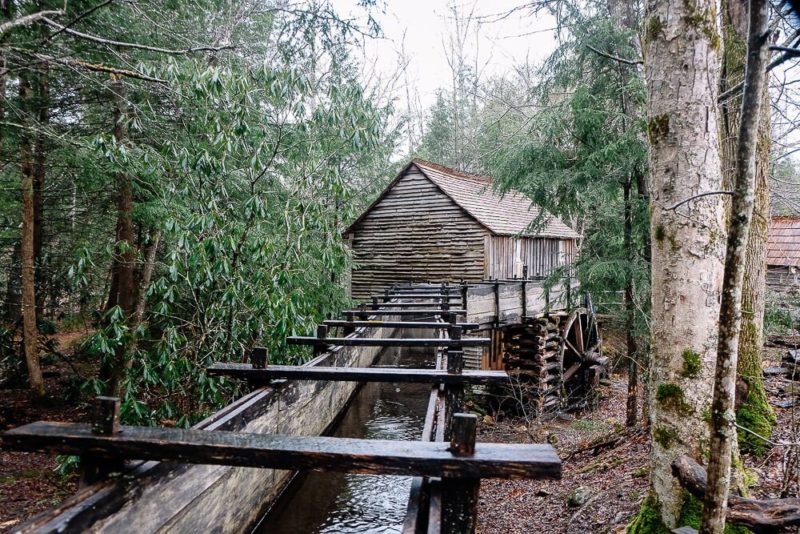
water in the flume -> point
(345, 503)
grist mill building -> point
(436, 224)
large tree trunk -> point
(39, 172)
(681, 50)
(29, 329)
(755, 412)
(631, 412)
(723, 431)
(124, 289)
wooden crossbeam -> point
(355, 374)
(407, 458)
(407, 312)
(409, 305)
(388, 342)
(453, 295)
(400, 324)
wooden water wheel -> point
(557, 358)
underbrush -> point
(782, 314)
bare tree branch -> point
(695, 197)
(27, 19)
(110, 42)
(615, 58)
(99, 67)
(79, 18)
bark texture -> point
(682, 52)
(755, 412)
(123, 290)
(723, 417)
(39, 175)
(631, 411)
(30, 331)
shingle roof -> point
(503, 214)
(783, 243)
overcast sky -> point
(500, 44)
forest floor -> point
(605, 465)
(29, 483)
(605, 473)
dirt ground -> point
(29, 483)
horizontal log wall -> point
(415, 233)
(783, 279)
(213, 498)
(505, 256)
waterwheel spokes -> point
(579, 342)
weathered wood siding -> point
(783, 279)
(506, 256)
(483, 301)
(415, 233)
(160, 497)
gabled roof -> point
(502, 214)
(783, 242)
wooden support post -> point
(105, 422)
(362, 314)
(546, 301)
(460, 495)
(349, 316)
(386, 297)
(569, 292)
(375, 304)
(524, 298)
(497, 303)
(322, 333)
(463, 295)
(106, 416)
(259, 358)
(454, 393)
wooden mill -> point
(435, 224)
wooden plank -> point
(393, 305)
(399, 324)
(406, 312)
(354, 374)
(453, 295)
(363, 456)
(387, 342)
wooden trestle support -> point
(557, 359)
(556, 354)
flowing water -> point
(346, 503)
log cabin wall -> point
(506, 256)
(783, 279)
(415, 233)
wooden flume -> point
(444, 494)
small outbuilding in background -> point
(783, 254)
(436, 224)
